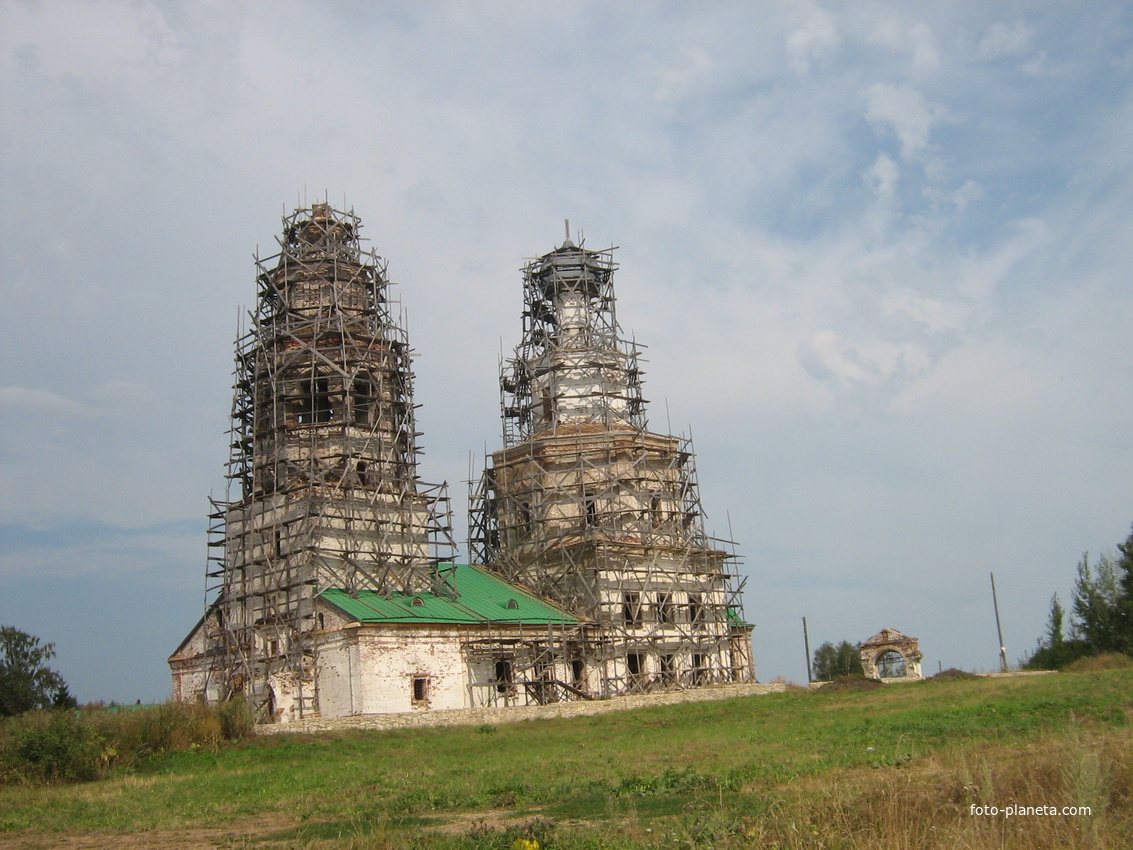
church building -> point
(331, 572)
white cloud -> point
(979, 275)
(883, 176)
(934, 315)
(20, 400)
(827, 358)
(812, 41)
(678, 80)
(903, 110)
(1004, 38)
(970, 191)
(915, 39)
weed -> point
(53, 746)
(1104, 661)
(80, 746)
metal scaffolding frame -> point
(590, 509)
(322, 477)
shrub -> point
(164, 728)
(237, 720)
(77, 746)
(52, 746)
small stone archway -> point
(892, 657)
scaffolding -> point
(529, 664)
(322, 472)
(590, 509)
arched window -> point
(891, 665)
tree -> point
(1101, 613)
(1054, 626)
(1056, 650)
(831, 661)
(1097, 603)
(1125, 608)
(26, 682)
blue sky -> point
(879, 255)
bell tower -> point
(592, 509)
(322, 473)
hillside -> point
(902, 766)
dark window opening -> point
(420, 689)
(665, 608)
(503, 676)
(631, 609)
(544, 692)
(695, 609)
(314, 401)
(363, 401)
(699, 671)
(361, 468)
(578, 671)
(655, 517)
(635, 663)
(668, 669)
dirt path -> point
(259, 828)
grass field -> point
(898, 767)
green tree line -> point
(832, 661)
(1101, 613)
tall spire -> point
(323, 485)
(590, 508)
(572, 366)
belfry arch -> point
(891, 656)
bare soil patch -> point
(261, 828)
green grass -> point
(865, 769)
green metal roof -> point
(480, 598)
(734, 618)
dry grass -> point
(1105, 661)
(928, 805)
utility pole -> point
(806, 643)
(998, 628)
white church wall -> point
(399, 670)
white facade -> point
(371, 661)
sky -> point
(879, 256)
